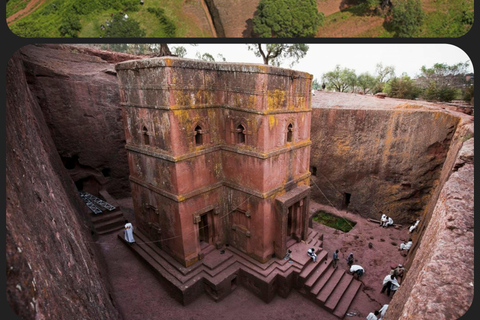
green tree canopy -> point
(340, 80)
(443, 82)
(402, 87)
(120, 27)
(287, 19)
(407, 18)
(366, 82)
(275, 53)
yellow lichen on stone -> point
(272, 121)
(275, 98)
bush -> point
(407, 18)
(169, 27)
(70, 26)
(124, 28)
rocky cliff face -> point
(77, 90)
(440, 278)
(53, 269)
(373, 160)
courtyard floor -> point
(139, 295)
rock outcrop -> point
(374, 156)
(440, 279)
(53, 268)
(76, 88)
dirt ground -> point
(139, 295)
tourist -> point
(335, 258)
(406, 246)
(388, 283)
(357, 271)
(350, 259)
(129, 232)
(382, 311)
(373, 315)
(311, 253)
(414, 226)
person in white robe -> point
(357, 270)
(311, 253)
(406, 246)
(414, 226)
(129, 232)
(373, 315)
(383, 220)
(382, 311)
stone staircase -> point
(219, 271)
(107, 216)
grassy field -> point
(91, 14)
(333, 221)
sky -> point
(322, 58)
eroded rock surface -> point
(53, 268)
(77, 90)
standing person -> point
(350, 259)
(129, 232)
(387, 284)
(394, 286)
(335, 258)
(373, 315)
(311, 253)
(382, 311)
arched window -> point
(198, 136)
(240, 134)
(290, 133)
(146, 137)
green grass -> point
(449, 19)
(333, 221)
(13, 6)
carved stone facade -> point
(218, 153)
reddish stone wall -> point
(166, 100)
(440, 278)
(77, 90)
(389, 159)
(53, 269)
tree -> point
(366, 82)
(407, 18)
(287, 19)
(205, 57)
(121, 27)
(443, 82)
(403, 88)
(340, 79)
(275, 53)
(179, 51)
(316, 85)
(383, 74)
(70, 26)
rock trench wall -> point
(53, 268)
(372, 161)
(76, 88)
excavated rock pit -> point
(409, 159)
